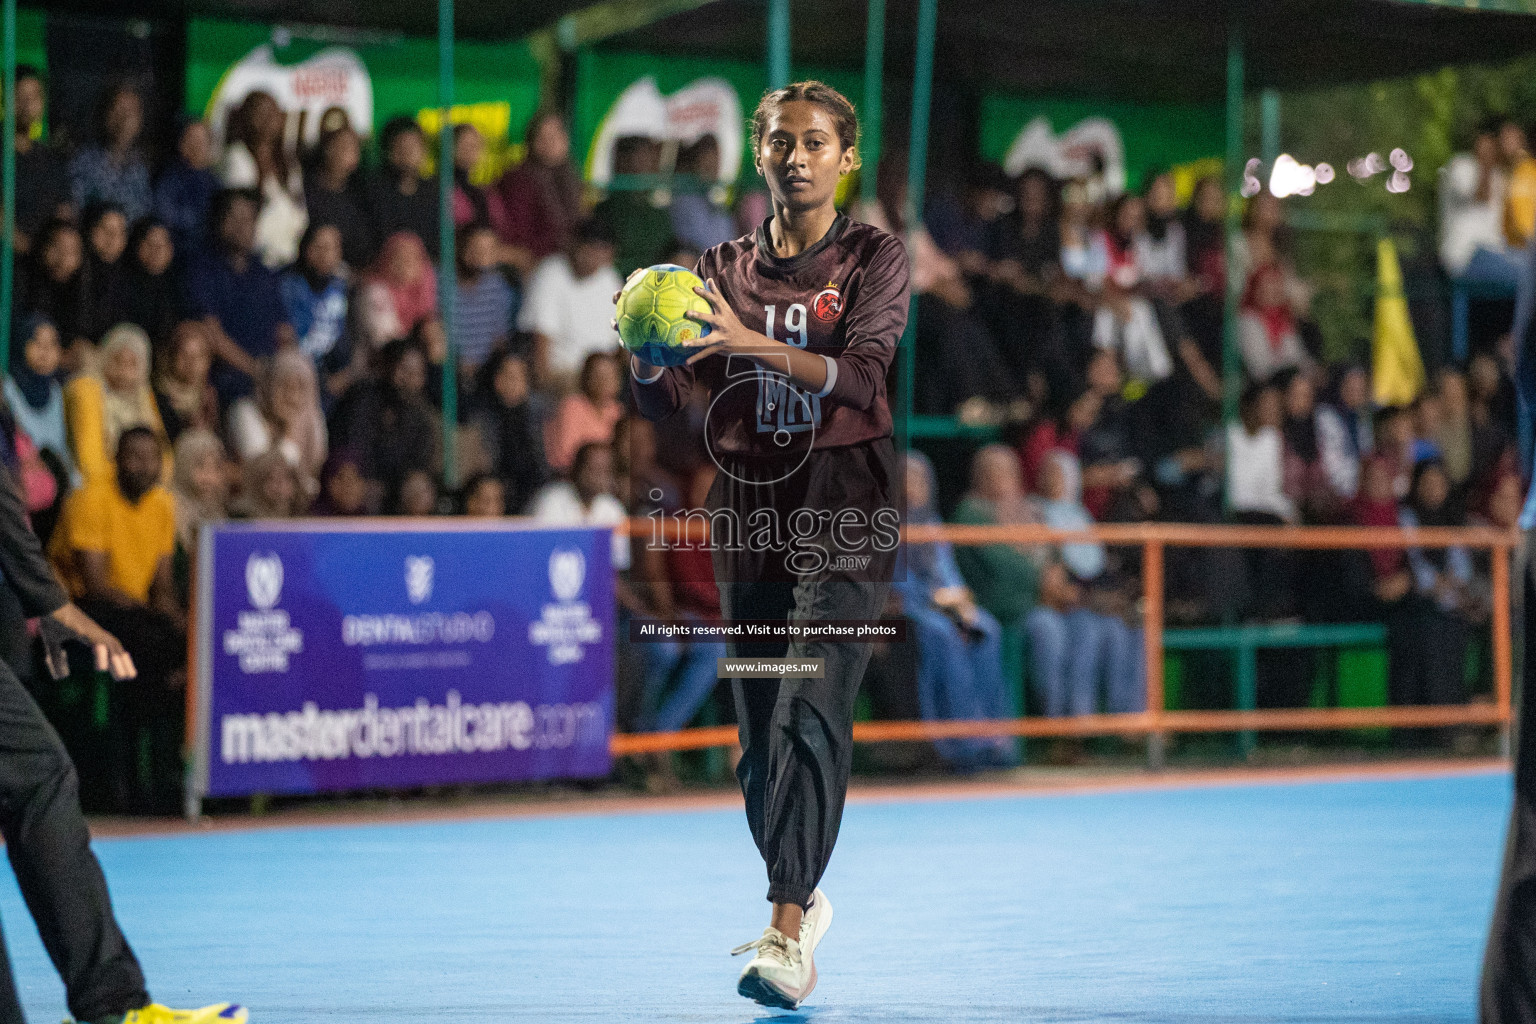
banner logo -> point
(705, 106)
(264, 580)
(264, 638)
(418, 578)
(566, 626)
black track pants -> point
(797, 732)
(50, 851)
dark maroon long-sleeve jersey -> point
(845, 299)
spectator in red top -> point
(588, 415)
(1076, 414)
(473, 203)
(542, 195)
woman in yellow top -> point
(110, 395)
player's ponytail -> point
(837, 106)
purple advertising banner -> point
(335, 656)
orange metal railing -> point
(1157, 722)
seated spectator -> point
(1520, 194)
(398, 198)
(332, 195)
(314, 292)
(1005, 578)
(1427, 654)
(542, 195)
(256, 158)
(200, 488)
(1266, 328)
(1377, 505)
(484, 496)
(1393, 430)
(1256, 459)
(640, 227)
(474, 204)
(416, 496)
(1101, 650)
(54, 286)
(284, 416)
(1306, 476)
(568, 307)
(1471, 191)
(1077, 411)
(960, 667)
(399, 292)
(34, 396)
(586, 499)
(959, 370)
(1106, 447)
(269, 489)
(344, 491)
(1344, 428)
(387, 420)
(154, 296)
(644, 485)
(42, 183)
(236, 296)
(509, 418)
(1021, 275)
(184, 395)
(484, 302)
(699, 221)
(113, 170)
(1493, 394)
(184, 193)
(111, 397)
(679, 674)
(1126, 320)
(104, 278)
(113, 548)
(199, 485)
(588, 415)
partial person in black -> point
(807, 314)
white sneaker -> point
(777, 975)
(813, 925)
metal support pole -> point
(447, 269)
(778, 43)
(1269, 126)
(874, 83)
(8, 191)
(917, 175)
(1231, 365)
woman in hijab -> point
(269, 489)
(399, 292)
(343, 488)
(1004, 578)
(960, 667)
(284, 416)
(53, 283)
(1427, 646)
(1266, 328)
(200, 488)
(35, 396)
(105, 276)
(1078, 639)
(154, 297)
(542, 195)
(184, 395)
(113, 395)
(387, 419)
(1344, 428)
(473, 204)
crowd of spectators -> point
(249, 331)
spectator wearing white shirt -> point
(1256, 459)
(586, 499)
(568, 307)
(1472, 190)
(256, 159)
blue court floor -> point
(1310, 903)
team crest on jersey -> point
(827, 306)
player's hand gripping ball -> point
(650, 314)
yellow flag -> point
(1397, 369)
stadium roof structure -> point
(1153, 49)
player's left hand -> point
(726, 331)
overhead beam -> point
(611, 18)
